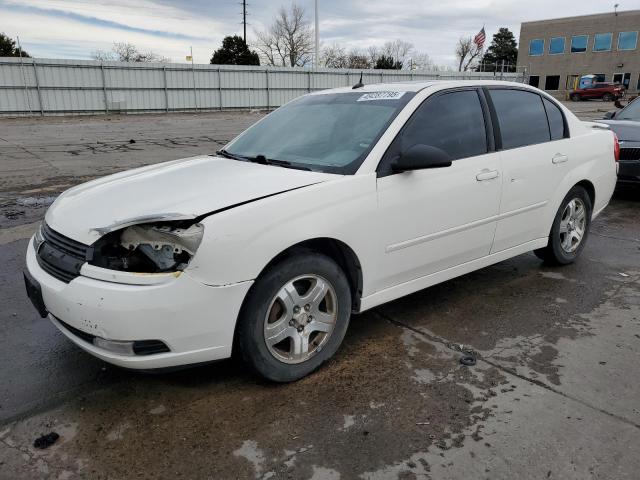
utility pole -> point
(317, 32)
(244, 20)
(24, 77)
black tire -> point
(250, 336)
(574, 97)
(553, 253)
(607, 97)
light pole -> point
(317, 32)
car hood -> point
(176, 190)
(627, 130)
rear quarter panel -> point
(591, 159)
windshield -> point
(630, 112)
(328, 132)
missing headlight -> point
(149, 248)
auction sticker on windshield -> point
(380, 96)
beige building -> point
(556, 53)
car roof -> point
(421, 85)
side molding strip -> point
(468, 226)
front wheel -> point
(569, 230)
(295, 317)
(607, 97)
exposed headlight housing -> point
(38, 238)
(149, 248)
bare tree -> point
(399, 50)
(126, 52)
(466, 52)
(359, 60)
(334, 56)
(373, 53)
(419, 61)
(288, 41)
(103, 56)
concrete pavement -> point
(553, 395)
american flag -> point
(480, 38)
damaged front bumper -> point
(195, 321)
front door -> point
(434, 219)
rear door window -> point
(556, 120)
(521, 117)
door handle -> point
(559, 158)
(487, 175)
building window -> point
(638, 85)
(627, 40)
(534, 80)
(599, 77)
(552, 82)
(556, 46)
(536, 47)
(602, 42)
(579, 43)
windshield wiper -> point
(233, 156)
(261, 159)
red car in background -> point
(608, 92)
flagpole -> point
(193, 74)
(317, 39)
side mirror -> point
(419, 157)
(610, 115)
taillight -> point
(616, 147)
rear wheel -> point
(574, 97)
(295, 317)
(570, 229)
(607, 97)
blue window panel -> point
(556, 46)
(627, 40)
(579, 43)
(602, 42)
(536, 47)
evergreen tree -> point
(503, 47)
(385, 62)
(8, 47)
(234, 51)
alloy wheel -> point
(573, 225)
(300, 318)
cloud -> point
(74, 28)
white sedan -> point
(339, 201)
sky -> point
(76, 28)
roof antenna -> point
(359, 84)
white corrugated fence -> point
(54, 87)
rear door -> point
(534, 149)
(434, 219)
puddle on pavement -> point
(362, 412)
(35, 201)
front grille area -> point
(60, 256)
(630, 154)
